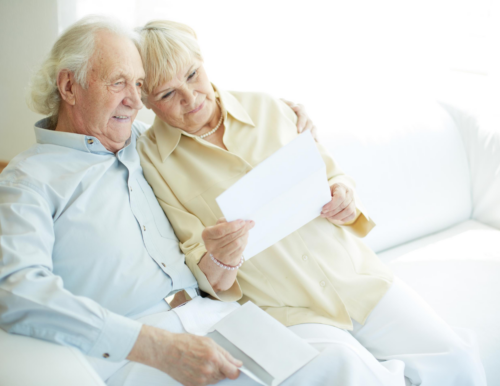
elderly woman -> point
(321, 280)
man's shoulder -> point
(38, 166)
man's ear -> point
(66, 85)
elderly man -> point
(87, 256)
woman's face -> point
(187, 101)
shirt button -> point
(305, 257)
(105, 355)
(163, 264)
(144, 227)
(322, 283)
(90, 141)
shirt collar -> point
(168, 137)
(86, 143)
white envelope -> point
(269, 351)
(281, 194)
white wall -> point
(350, 62)
(28, 28)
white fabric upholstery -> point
(26, 362)
(413, 177)
(457, 273)
(481, 136)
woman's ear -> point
(146, 103)
(66, 85)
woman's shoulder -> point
(146, 142)
(253, 97)
(258, 103)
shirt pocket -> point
(160, 218)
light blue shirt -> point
(84, 246)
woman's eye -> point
(192, 74)
(139, 84)
(167, 95)
(118, 83)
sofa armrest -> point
(27, 361)
(481, 137)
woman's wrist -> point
(224, 265)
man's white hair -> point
(72, 52)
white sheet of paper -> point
(266, 341)
(281, 194)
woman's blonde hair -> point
(72, 51)
(166, 48)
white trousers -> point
(402, 342)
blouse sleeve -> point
(188, 229)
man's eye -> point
(192, 74)
(118, 83)
(139, 84)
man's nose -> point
(133, 98)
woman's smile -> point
(198, 108)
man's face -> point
(109, 105)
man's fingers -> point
(229, 367)
(232, 359)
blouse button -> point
(305, 257)
(90, 141)
(163, 264)
(322, 283)
(144, 227)
(105, 355)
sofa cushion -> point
(29, 361)
(411, 171)
(457, 273)
(481, 135)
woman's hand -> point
(341, 208)
(226, 241)
(303, 120)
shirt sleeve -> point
(188, 229)
(362, 225)
(33, 300)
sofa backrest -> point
(411, 171)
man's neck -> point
(66, 123)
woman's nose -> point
(189, 97)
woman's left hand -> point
(303, 120)
(341, 208)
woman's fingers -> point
(222, 229)
(226, 241)
(348, 214)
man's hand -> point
(191, 360)
(341, 208)
(227, 240)
(303, 120)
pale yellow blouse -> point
(321, 273)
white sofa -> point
(430, 177)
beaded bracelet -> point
(224, 266)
